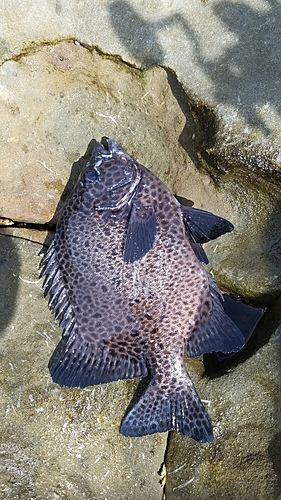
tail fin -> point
(180, 410)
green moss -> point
(56, 185)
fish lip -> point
(111, 146)
(99, 149)
(103, 151)
(104, 142)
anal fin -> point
(81, 364)
(216, 332)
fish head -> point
(111, 177)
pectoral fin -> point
(141, 233)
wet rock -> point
(254, 253)
(58, 443)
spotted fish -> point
(127, 286)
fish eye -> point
(91, 176)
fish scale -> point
(128, 288)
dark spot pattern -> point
(127, 319)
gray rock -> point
(58, 443)
(36, 235)
(224, 54)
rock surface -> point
(224, 53)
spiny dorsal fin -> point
(205, 226)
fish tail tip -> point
(156, 414)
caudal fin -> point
(180, 410)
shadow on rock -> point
(9, 279)
(76, 169)
(139, 37)
(200, 127)
(271, 239)
(274, 450)
(244, 75)
(216, 363)
(250, 79)
(136, 34)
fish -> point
(126, 283)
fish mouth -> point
(101, 152)
(105, 149)
(104, 142)
(112, 147)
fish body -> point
(128, 288)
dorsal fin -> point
(201, 227)
(54, 287)
(204, 226)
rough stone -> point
(56, 100)
(35, 235)
(223, 52)
(57, 443)
(249, 265)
